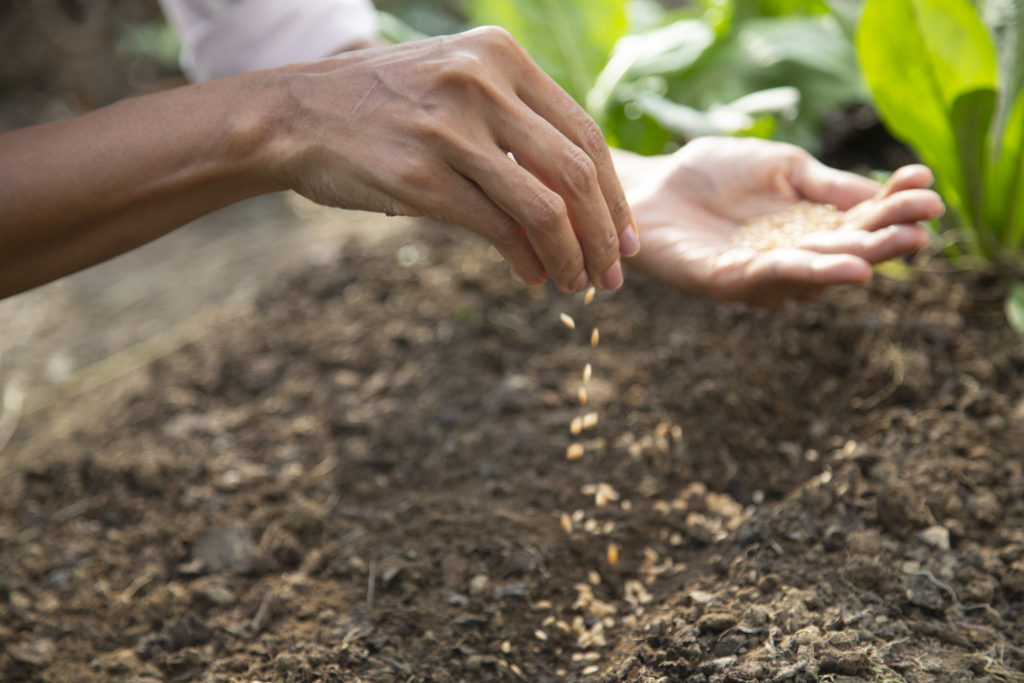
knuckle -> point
(607, 246)
(591, 137)
(417, 171)
(495, 36)
(546, 211)
(579, 171)
(505, 234)
(622, 216)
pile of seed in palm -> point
(785, 228)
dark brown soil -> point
(365, 480)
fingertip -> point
(841, 268)
(612, 278)
(629, 241)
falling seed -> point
(588, 421)
(588, 372)
(574, 451)
(595, 337)
(567, 321)
(576, 426)
(613, 554)
(582, 396)
(589, 296)
(566, 523)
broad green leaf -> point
(1014, 307)
(971, 117)
(664, 50)
(1005, 20)
(918, 56)
(810, 53)
(1007, 195)
(570, 39)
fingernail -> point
(581, 282)
(629, 242)
(612, 278)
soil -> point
(365, 478)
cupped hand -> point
(466, 129)
(689, 204)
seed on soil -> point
(589, 296)
(588, 421)
(581, 395)
(593, 577)
(612, 554)
(590, 670)
(542, 605)
(576, 426)
(603, 493)
(574, 451)
(588, 372)
(567, 321)
(595, 337)
(540, 635)
(785, 228)
(566, 522)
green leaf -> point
(570, 39)
(1014, 307)
(971, 117)
(1006, 199)
(918, 57)
(664, 50)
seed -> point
(595, 337)
(589, 296)
(613, 554)
(506, 646)
(593, 577)
(588, 372)
(582, 396)
(540, 635)
(591, 670)
(576, 426)
(574, 451)
(542, 605)
(566, 521)
(588, 421)
(567, 321)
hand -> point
(687, 206)
(466, 129)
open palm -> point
(688, 205)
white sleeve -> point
(226, 37)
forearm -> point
(76, 192)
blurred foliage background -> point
(653, 73)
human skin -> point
(462, 128)
(689, 203)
